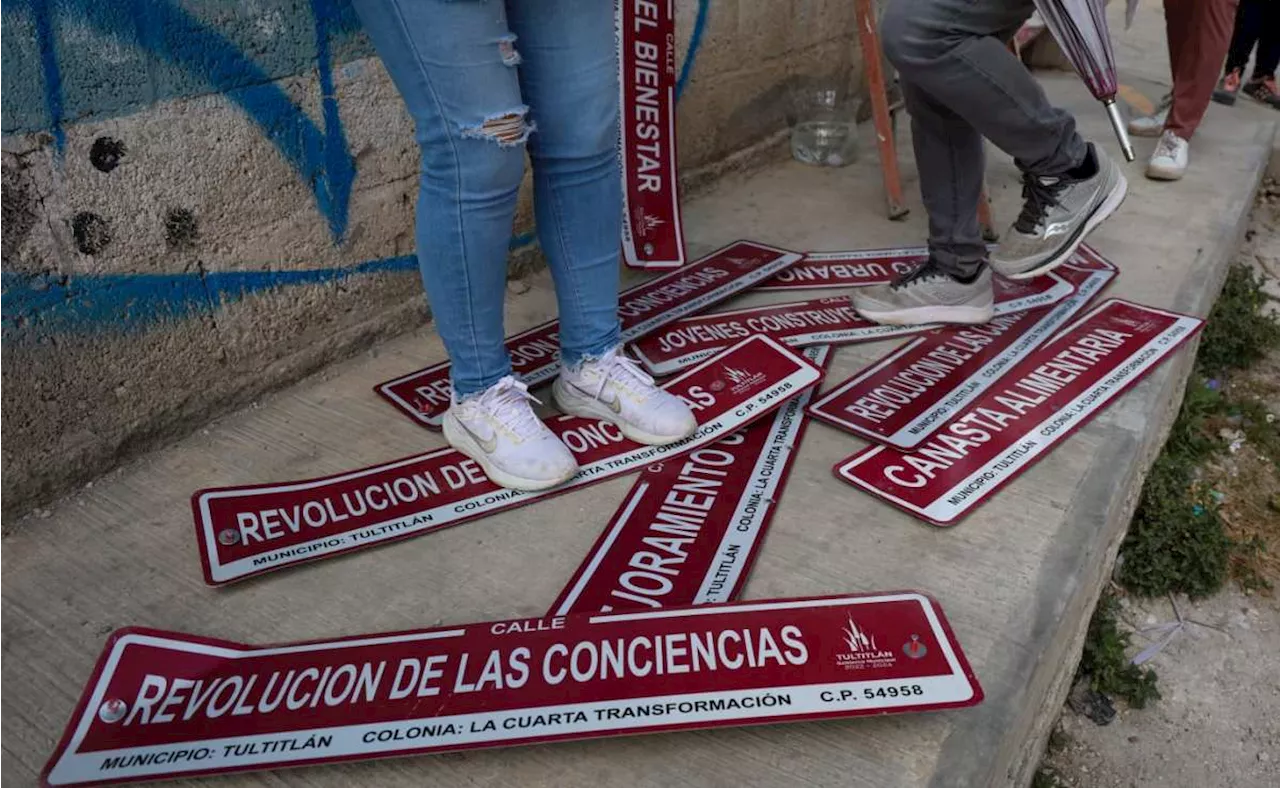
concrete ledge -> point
(1017, 578)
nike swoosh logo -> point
(615, 404)
(489, 446)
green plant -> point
(1045, 779)
(1238, 333)
(1104, 661)
(1177, 541)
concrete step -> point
(1017, 579)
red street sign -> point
(166, 705)
(651, 233)
(825, 321)
(1037, 404)
(246, 531)
(826, 270)
(906, 396)
(688, 531)
(535, 354)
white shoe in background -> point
(1152, 125)
(1169, 160)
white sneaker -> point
(613, 388)
(1152, 125)
(499, 430)
(1169, 160)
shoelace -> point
(615, 366)
(1168, 145)
(1038, 195)
(508, 400)
(927, 270)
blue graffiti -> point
(45, 303)
(215, 63)
(695, 42)
(52, 74)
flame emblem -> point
(644, 224)
(858, 640)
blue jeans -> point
(484, 80)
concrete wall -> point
(203, 199)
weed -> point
(1245, 560)
(1177, 541)
(1045, 779)
(1104, 661)
(1238, 334)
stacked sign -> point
(903, 398)
(824, 321)
(535, 354)
(246, 531)
(630, 645)
(688, 532)
(1034, 406)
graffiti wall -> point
(203, 199)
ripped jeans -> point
(484, 80)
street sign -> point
(167, 705)
(823, 321)
(1048, 395)
(652, 236)
(906, 396)
(249, 530)
(688, 531)
(865, 267)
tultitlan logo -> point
(863, 651)
(858, 640)
(741, 262)
(742, 379)
(645, 224)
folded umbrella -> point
(1080, 26)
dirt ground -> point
(1218, 722)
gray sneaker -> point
(927, 295)
(1058, 213)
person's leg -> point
(1268, 25)
(1205, 29)
(1262, 83)
(1243, 36)
(954, 52)
(954, 285)
(454, 64)
(1246, 32)
(447, 61)
(1176, 30)
(569, 76)
(950, 161)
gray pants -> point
(961, 83)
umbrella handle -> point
(1117, 125)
